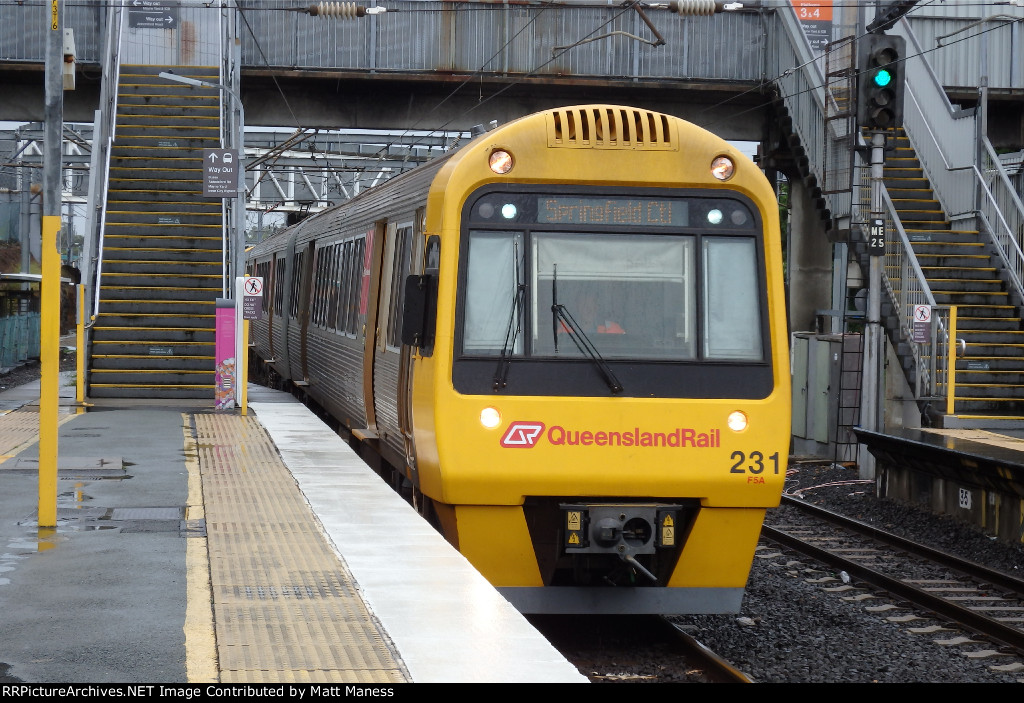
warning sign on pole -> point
(922, 324)
(252, 298)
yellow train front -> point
(598, 376)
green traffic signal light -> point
(881, 80)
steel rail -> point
(963, 566)
(711, 662)
(981, 624)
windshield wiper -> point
(513, 328)
(559, 315)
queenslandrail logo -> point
(525, 435)
(522, 435)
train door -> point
(285, 280)
(270, 288)
(411, 263)
(395, 253)
(370, 297)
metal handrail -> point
(1006, 237)
(103, 142)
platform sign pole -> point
(49, 317)
(80, 347)
(240, 344)
(871, 376)
(251, 295)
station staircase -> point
(962, 268)
(162, 256)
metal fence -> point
(19, 338)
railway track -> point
(923, 584)
(635, 649)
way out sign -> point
(922, 324)
(220, 173)
(252, 298)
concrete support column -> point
(810, 261)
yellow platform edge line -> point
(200, 634)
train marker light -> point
(737, 421)
(490, 418)
(500, 161)
(715, 216)
(722, 168)
(509, 211)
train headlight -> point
(490, 418)
(722, 168)
(737, 421)
(500, 161)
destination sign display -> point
(647, 212)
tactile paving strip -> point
(284, 605)
(19, 429)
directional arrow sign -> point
(151, 14)
(220, 173)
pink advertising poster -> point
(224, 354)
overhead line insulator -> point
(695, 7)
(342, 10)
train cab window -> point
(632, 295)
(732, 319)
(493, 311)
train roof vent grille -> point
(603, 127)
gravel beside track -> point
(793, 631)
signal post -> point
(880, 87)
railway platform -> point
(196, 546)
(974, 475)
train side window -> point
(318, 265)
(403, 251)
(296, 287)
(268, 285)
(332, 286)
(357, 291)
(279, 271)
(321, 284)
(345, 309)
